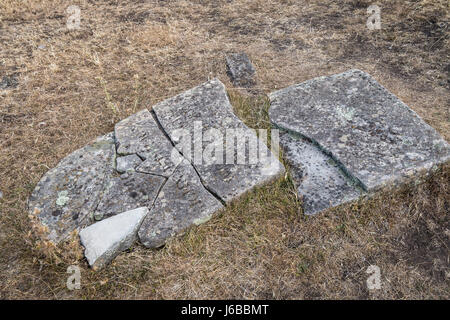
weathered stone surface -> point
(374, 135)
(96, 182)
(139, 134)
(68, 194)
(128, 191)
(127, 163)
(317, 177)
(182, 202)
(104, 240)
(9, 81)
(240, 70)
(207, 107)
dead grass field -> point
(66, 87)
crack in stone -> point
(375, 136)
(215, 195)
(108, 175)
(346, 173)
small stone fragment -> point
(182, 202)
(104, 240)
(9, 81)
(128, 191)
(240, 70)
(317, 177)
(127, 163)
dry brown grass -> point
(130, 55)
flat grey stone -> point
(139, 134)
(208, 105)
(317, 177)
(66, 196)
(240, 70)
(376, 137)
(182, 202)
(127, 163)
(128, 191)
(104, 240)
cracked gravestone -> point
(205, 112)
(104, 240)
(371, 135)
(182, 202)
(136, 166)
(240, 70)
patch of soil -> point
(426, 245)
(423, 241)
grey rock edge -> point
(104, 240)
(374, 139)
(134, 167)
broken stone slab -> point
(182, 202)
(206, 109)
(104, 240)
(128, 191)
(139, 134)
(317, 177)
(96, 182)
(373, 135)
(127, 163)
(67, 195)
(240, 70)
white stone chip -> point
(104, 240)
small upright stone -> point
(104, 240)
(240, 70)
